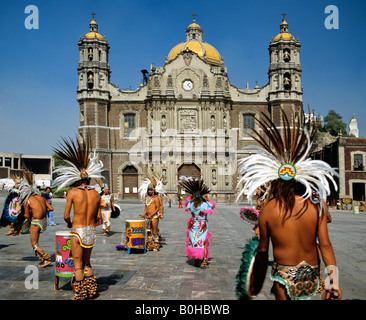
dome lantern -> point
(93, 30)
(284, 34)
(194, 43)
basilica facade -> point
(186, 117)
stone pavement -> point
(168, 274)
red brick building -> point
(348, 154)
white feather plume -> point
(143, 188)
(8, 183)
(26, 190)
(261, 168)
(68, 175)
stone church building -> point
(186, 117)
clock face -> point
(187, 85)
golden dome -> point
(91, 35)
(203, 50)
(194, 25)
(93, 22)
(284, 36)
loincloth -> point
(301, 281)
(87, 236)
(41, 223)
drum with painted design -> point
(135, 234)
(64, 260)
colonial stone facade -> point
(186, 118)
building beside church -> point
(186, 118)
(41, 166)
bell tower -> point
(93, 70)
(285, 69)
(93, 92)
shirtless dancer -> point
(35, 209)
(294, 245)
(152, 208)
(86, 204)
(289, 218)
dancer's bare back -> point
(86, 205)
(294, 240)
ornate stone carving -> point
(187, 119)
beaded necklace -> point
(152, 198)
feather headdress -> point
(194, 185)
(7, 183)
(285, 157)
(79, 164)
(27, 186)
(153, 181)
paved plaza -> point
(169, 274)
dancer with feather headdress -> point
(35, 210)
(199, 205)
(80, 168)
(13, 211)
(289, 218)
(150, 191)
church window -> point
(129, 123)
(358, 162)
(248, 122)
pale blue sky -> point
(38, 76)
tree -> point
(333, 124)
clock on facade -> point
(187, 85)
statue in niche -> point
(205, 81)
(163, 175)
(156, 82)
(169, 81)
(163, 122)
(214, 176)
(213, 123)
(218, 83)
(227, 85)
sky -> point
(38, 67)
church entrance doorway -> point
(188, 170)
(130, 183)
